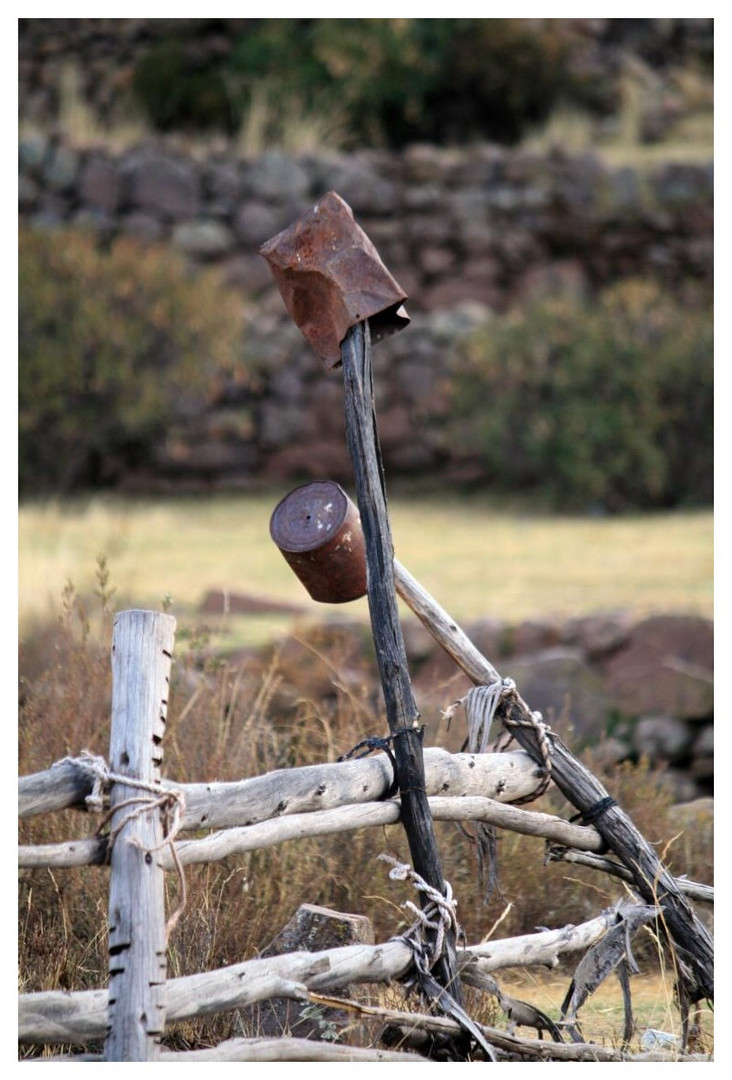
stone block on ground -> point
(311, 929)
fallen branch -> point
(509, 1047)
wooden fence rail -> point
(144, 841)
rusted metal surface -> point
(318, 530)
(331, 277)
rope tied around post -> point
(438, 914)
(435, 920)
(376, 742)
(171, 803)
(529, 719)
(482, 703)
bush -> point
(396, 80)
(605, 404)
(114, 345)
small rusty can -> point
(318, 530)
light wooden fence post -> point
(141, 656)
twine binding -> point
(170, 801)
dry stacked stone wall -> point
(467, 233)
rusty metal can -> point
(318, 530)
(331, 277)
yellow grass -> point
(602, 1015)
(476, 559)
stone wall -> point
(466, 233)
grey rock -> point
(142, 226)
(598, 635)
(423, 197)
(662, 738)
(681, 786)
(100, 184)
(28, 193)
(311, 929)
(610, 752)
(203, 239)
(693, 817)
(704, 742)
(164, 185)
(32, 150)
(561, 685)
(365, 191)
(61, 169)
(666, 668)
(222, 182)
(256, 221)
(275, 176)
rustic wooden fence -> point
(144, 838)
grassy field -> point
(476, 558)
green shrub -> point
(605, 404)
(181, 91)
(114, 345)
(396, 80)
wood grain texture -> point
(401, 709)
(142, 648)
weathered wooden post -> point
(142, 649)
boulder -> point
(560, 684)
(203, 239)
(311, 929)
(99, 184)
(163, 185)
(662, 739)
(666, 669)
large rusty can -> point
(318, 530)
(331, 277)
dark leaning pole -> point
(341, 296)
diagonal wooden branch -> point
(652, 881)
(703, 894)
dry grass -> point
(306, 699)
(309, 697)
(602, 1015)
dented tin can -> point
(331, 277)
(318, 530)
